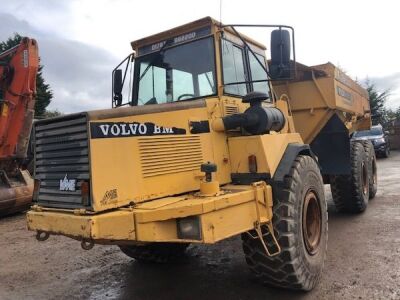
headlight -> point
(189, 228)
(380, 140)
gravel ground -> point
(363, 262)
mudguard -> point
(291, 152)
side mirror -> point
(280, 54)
(117, 87)
(387, 132)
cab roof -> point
(207, 21)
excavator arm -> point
(18, 69)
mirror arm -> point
(129, 59)
(126, 71)
(269, 26)
(252, 52)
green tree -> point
(43, 92)
(52, 114)
(377, 101)
(392, 114)
(397, 113)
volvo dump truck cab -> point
(202, 150)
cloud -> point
(48, 15)
(79, 74)
(389, 83)
(10, 25)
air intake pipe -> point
(256, 119)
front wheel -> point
(301, 226)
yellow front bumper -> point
(220, 217)
(116, 225)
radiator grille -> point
(166, 155)
(61, 150)
(230, 110)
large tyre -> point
(350, 193)
(372, 169)
(155, 252)
(301, 226)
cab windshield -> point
(182, 72)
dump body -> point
(327, 106)
(319, 92)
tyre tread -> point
(346, 189)
(284, 270)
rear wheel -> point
(155, 252)
(351, 192)
(300, 223)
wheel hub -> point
(312, 222)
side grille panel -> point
(61, 149)
(230, 110)
(166, 155)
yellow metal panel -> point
(207, 21)
(191, 205)
(187, 208)
(59, 223)
(216, 225)
(117, 167)
(117, 225)
(159, 231)
(220, 217)
(151, 205)
(309, 123)
(314, 99)
(219, 144)
(268, 149)
(219, 225)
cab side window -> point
(153, 84)
(258, 73)
(233, 68)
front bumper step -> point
(220, 217)
(103, 228)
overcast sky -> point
(80, 41)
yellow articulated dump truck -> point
(213, 141)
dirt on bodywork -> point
(363, 261)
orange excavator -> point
(18, 69)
